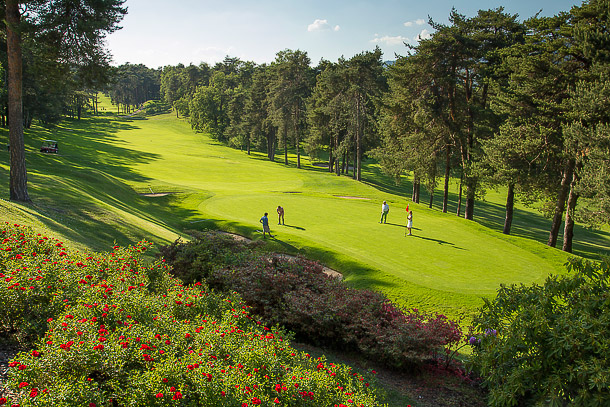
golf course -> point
(119, 179)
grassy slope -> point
(88, 194)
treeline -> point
(287, 104)
(489, 100)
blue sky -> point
(160, 32)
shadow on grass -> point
(294, 227)
(79, 191)
(441, 242)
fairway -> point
(106, 163)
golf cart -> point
(49, 146)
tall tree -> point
(291, 86)
(329, 116)
(364, 74)
(76, 28)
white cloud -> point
(423, 35)
(397, 40)
(419, 21)
(321, 25)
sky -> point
(158, 33)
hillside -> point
(120, 179)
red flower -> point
(2, 400)
(34, 392)
(23, 384)
(256, 401)
(159, 395)
(91, 404)
(177, 396)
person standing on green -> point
(410, 222)
(385, 208)
(280, 215)
(265, 221)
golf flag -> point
(407, 208)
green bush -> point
(117, 331)
(548, 345)
(195, 260)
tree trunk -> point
(271, 144)
(447, 173)
(417, 190)
(355, 159)
(330, 158)
(561, 202)
(297, 139)
(459, 205)
(18, 173)
(413, 188)
(358, 163)
(470, 188)
(510, 204)
(338, 165)
(285, 135)
(431, 199)
(568, 231)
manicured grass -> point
(90, 194)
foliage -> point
(548, 345)
(132, 85)
(117, 331)
(194, 261)
(319, 309)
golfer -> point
(410, 222)
(265, 221)
(280, 215)
(385, 208)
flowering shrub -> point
(118, 332)
(324, 311)
(548, 345)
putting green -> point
(438, 256)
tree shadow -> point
(82, 188)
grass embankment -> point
(91, 194)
